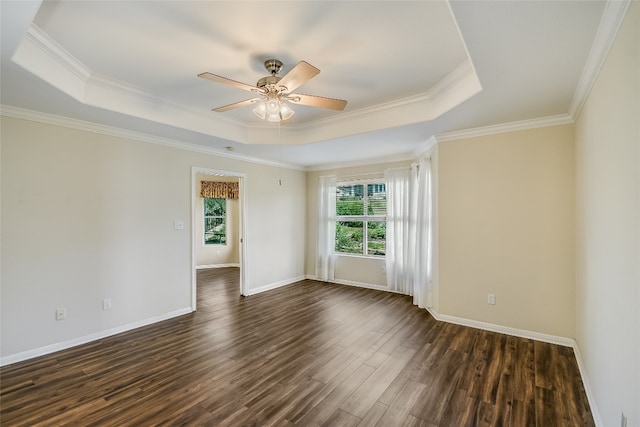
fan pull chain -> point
(279, 157)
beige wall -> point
(352, 269)
(367, 271)
(505, 212)
(229, 253)
(608, 230)
(87, 217)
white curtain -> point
(398, 230)
(326, 242)
(408, 256)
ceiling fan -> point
(275, 92)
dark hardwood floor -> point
(306, 354)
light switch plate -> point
(491, 299)
(178, 225)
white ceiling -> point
(410, 70)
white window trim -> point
(364, 218)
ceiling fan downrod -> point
(273, 66)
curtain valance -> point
(219, 190)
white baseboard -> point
(522, 333)
(567, 342)
(553, 339)
(275, 285)
(587, 387)
(202, 267)
(37, 352)
(360, 285)
(353, 283)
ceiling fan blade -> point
(299, 75)
(224, 80)
(317, 101)
(235, 105)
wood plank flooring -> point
(307, 354)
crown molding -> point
(56, 52)
(47, 59)
(123, 87)
(612, 17)
(447, 83)
(560, 119)
(59, 54)
(422, 149)
(41, 54)
(464, 43)
(368, 162)
(425, 148)
(51, 119)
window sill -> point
(382, 257)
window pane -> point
(215, 232)
(376, 237)
(214, 207)
(377, 195)
(349, 200)
(349, 237)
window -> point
(215, 221)
(361, 210)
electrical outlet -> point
(106, 304)
(623, 420)
(61, 313)
(491, 299)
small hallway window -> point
(215, 221)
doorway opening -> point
(217, 233)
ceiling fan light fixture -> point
(285, 111)
(273, 117)
(260, 110)
(273, 106)
(273, 109)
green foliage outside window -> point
(349, 237)
(376, 238)
(215, 221)
(360, 211)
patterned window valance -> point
(219, 190)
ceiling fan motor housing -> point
(267, 81)
(269, 84)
